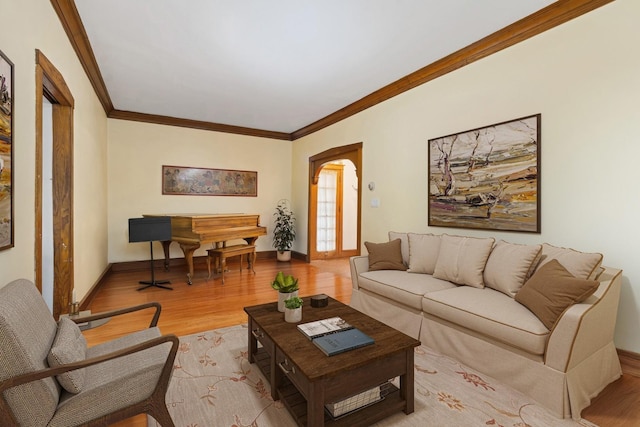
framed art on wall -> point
(6, 152)
(181, 180)
(487, 178)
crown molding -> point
(551, 16)
(70, 20)
(195, 124)
(545, 19)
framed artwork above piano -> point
(184, 180)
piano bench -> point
(220, 255)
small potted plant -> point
(284, 232)
(287, 287)
(293, 310)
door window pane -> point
(326, 213)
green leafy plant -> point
(285, 284)
(293, 303)
(284, 232)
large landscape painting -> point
(6, 163)
(487, 178)
(208, 182)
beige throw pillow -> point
(404, 244)
(551, 290)
(68, 346)
(582, 265)
(508, 266)
(423, 252)
(385, 256)
(461, 260)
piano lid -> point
(198, 215)
(214, 227)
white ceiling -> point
(275, 65)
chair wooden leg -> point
(162, 416)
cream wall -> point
(29, 25)
(137, 152)
(583, 78)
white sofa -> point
(480, 320)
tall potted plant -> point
(284, 232)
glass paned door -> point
(327, 210)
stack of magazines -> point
(334, 335)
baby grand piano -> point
(193, 230)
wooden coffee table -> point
(305, 379)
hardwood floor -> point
(209, 305)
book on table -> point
(341, 341)
(323, 327)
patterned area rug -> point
(213, 384)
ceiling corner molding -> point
(70, 19)
(196, 124)
(545, 19)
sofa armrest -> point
(359, 264)
(585, 328)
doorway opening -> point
(334, 203)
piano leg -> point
(188, 250)
(165, 246)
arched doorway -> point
(327, 225)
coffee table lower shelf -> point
(297, 406)
(295, 402)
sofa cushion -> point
(385, 256)
(551, 290)
(401, 286)
(423, 252)
(582, 265)
(69, 346)
(491, 313)
(461, 260)
(509, 265)
(404, 244)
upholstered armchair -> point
(49, 377)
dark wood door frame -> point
(51, 84)
(352, 152)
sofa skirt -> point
(563, 394)
(524, 372)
